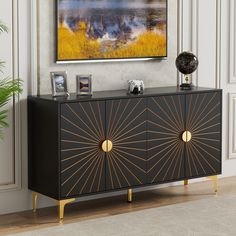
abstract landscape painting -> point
(111, 29)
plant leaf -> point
(3, 27)
(8, 88)
(2, 65)
(3, 119)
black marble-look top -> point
(118, 94)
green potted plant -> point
(8, 87)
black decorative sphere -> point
(186, 63)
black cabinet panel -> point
(203, 120)
(166, 123)
(82, 160)
(126, 128)
(43, 160)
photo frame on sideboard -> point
(59, 83)
(84, 85)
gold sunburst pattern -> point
(126, 128)
(169, 156)
(82, 160)
(203, 120)
(115, 144)
(166, 123)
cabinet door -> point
(126, 129)
(82, 161)
(166, 123)
(203, 120)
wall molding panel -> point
(34, 88)
(180, 15)
(232, 125)
(190, 21)
(232, 50)
(195, 44)
(16, 135)
(218, 82)
(195, 34)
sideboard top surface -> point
(119, 94)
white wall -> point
(203, 26)
(106, 76)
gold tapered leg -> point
(185, 182)
(35, 196)
(129, 195)
(61, 207)
(215, 180)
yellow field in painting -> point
(78, 46)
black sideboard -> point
(114, 141)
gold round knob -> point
(187, 136)
(107, 145)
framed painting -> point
(100, 30)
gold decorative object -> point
(187, 136)
(61, 207)
(215, 180)
(129, 199)
(107, 146)
(185, 182)
(35, 196)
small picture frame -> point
(59, 84)
(84, 85)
